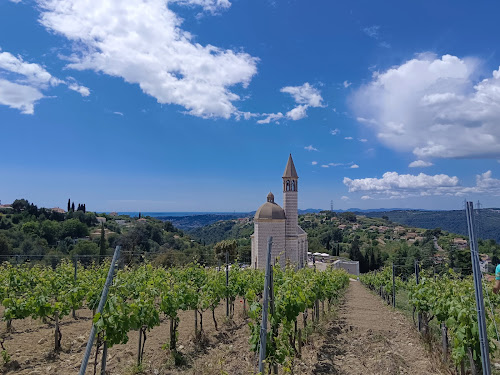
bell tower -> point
(290, 206)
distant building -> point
(58, 210)
(352, 267)
(113, 214)
(460, 243)
(101, 219)
(289, 239)
(141, 220)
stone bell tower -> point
(290, 206)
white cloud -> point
(344, 198)
(434, 107)
(82, 90)
(363, 140)
(118, 113)
(354, 166)
(16, 1)
(271, 117)
(310, 148)
(334, 131)
(365, 197)
(420, 164)
(208, 5)
(305, 94)
(347, 84)
(20, 97)
(324, 166)
(297, 113)
(384, 44)
(395, 186)
(393, 180)
(372, 31)
(142, 42)
(348, 138)
(22, 83)
(314, 162)
(335, 164)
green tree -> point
(20, 205)
(4, 245)
(31, 228)
(49, 230)
(222, 247)
(74, 228)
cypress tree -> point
(73, 206)
(84, 209)
(102, 251)
(69, 204)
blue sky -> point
(194, 105)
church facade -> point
(289, 239)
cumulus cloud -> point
(347, 84)
(305, 96)
(354, 166)
(324, 166)
(434, 107)
(22, 83)
(344, 198)
(334, 131)
(297, 113)
(420, 164)
(310, 148)
(348, 138)
(393, 180)
(365, 197)
(393, 185)
(314, 162)
(363, 140)
(142, 41)
(20, 97)
(270, 117)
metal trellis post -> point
(104, 296)
(393, 286)
(263, 326)
(227, 284)
(481, 319)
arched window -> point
(293, 185)
(287, 185)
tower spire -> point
(290, 169)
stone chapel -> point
(289, 239)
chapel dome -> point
(270, 211)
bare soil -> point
(366, 337)
(369, 337)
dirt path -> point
(370, 338)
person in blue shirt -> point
(496, 288)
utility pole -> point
(481, 319)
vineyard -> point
(445, 304)
(144, 297)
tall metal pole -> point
(417, 278)
(263, 326)
(104, 296)
(227, 284)
(481, 319)
(393, 285)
